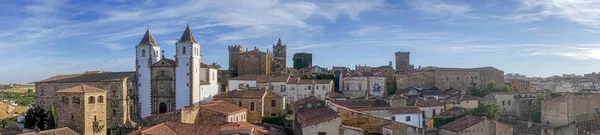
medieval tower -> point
(403, 61)
(147, 53)
(279, 57)
(187, 71)
(234, 53)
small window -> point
(308, 87)
(394, 118)
(322, 133)
(240, 104)
(502, 102)
(143, 52)
(114, 112)
(76, 100)
(273, 114)
(273, 103)
(508, 102)
(251, 106)
(92, 100)
(407, 118)
(100, 99)
(324, 87)
(183, 51)
(65, 100)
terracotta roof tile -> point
(89, 77)
(358, 103)
(462, 97)
(304, 100)
(223, 107)
(335, 95)
(235, 126)
(353, 128)
(82, 89)
(177, 128)
(58, 131)
(247, 77)
(317, 116)
(428, 103)
(246, 94)
(404, 110)
(462, 123)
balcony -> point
(99, 125)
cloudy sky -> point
(39, 39)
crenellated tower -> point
(147, 53)
(234, 53)
(187, 72)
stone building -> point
(302, 60)
(313, 116)
(449, 78)
(122, 108)
(520, 85)
(468, 125)
(292, 88)
(260, 103)
(214, 113)
(178, 128)
(83, 109)
(571, 113)
(163, 86)
(257, 62)
(360, 84)
(403, 62)
(461, 100)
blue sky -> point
(39, 39)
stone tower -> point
(279, 56)
(403, 61)
(147, 53)
(83, 109)
(234, 54)
(163, 86)
(187, 72)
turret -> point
(187, 72)
(234, 53)
(147, 53)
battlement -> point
(235, 47)
(402, 53)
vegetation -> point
(23, 99)
(275, 120)
(216, 65)
(37, 117)
(487, 109)
(330, 76)
(489, 88)
(535, 109)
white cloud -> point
(530, 29)
(584, 12)
(440, 8)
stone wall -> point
(160, 118)
(95, 115)
(502, 129)
(446, 78)
(253, 115)
(118, 109)
(570, 108)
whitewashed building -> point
(292, 88)
(356, 84)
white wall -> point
(207, 91)
(429, 111)
(331, 127)
(182, 78)
(416, 119)
(234, 84)
(144, 61)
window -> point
(240, 104)
(433, 113)
(273, 114)
(65, 100)
(272, 87)
(183, 51)
(95, 118)
(407, 118)
(502, 102)
(100, 99)
(114, 112)
(323, 87)
(282, 88)
(394, 118)
(322, 133)
(508, 102)
(143, 52)
(359, 86)
(308, 87)
(91, 100)
(316, 87)
(423, 114)
(273, 103)
(76, 100)
(251, 106)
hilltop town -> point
(260, 94)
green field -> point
(20, 88)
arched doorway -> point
(162, 107)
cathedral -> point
(165, 84)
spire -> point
(187, 36)
(148, 39)
(279, 42)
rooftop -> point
(58, 131)
(462, 123)
(361, 103)
(317, 116)
(82, 89)
(223, 107)
(97, 76)
(177, 128)
(246, 94)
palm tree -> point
(214, 64)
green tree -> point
(35, 118)
(52, 118)
(3, 123)
(535, 109)
(487, 109)
(216, 65)
(309, 76)
(489, 88)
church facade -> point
(165, 84)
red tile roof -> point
(462, 123)
(428, 103)
(335, 95)
(82, 89)
(247, 94)
(317, 116)
(304, 100)
(99, 76)
(58, 131)
(404, 110)
(177, 128)
(234, 126)
(223, 107)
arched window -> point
(114, 89)
(76, 100)
(183, 51)
(100, 99)
(91, 100)
(65, 100)
(407, 118)
(143, 52)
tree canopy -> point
(485, 109)
(489, 88)
(216, 65)
(534, 110)
(41, 119)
